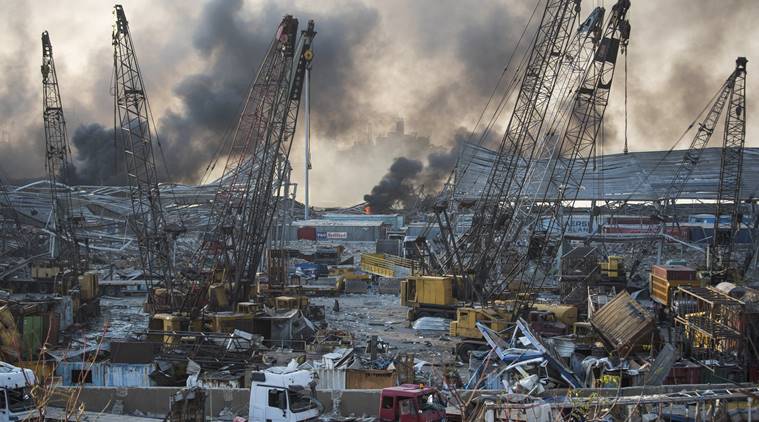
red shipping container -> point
(684, 372)
(307, 233)
(674, 272)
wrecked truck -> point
(283, 394)
(411, 403)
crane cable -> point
(626, 150)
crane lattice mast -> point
(57, 152)
(134, 133)
(257, 166)
(519, 143)
(10, 227)
(580, 139)
(731, 171)
(692, 156)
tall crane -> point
(500, 200)
(257, 167)
(693, 155)
(580, 138)
(134, 133)
(65, 222)
(731, 171)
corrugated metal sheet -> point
(128, 374)
(106, 374)
(65, 308)
(330, 379)
(69, 372)
(622, 322)
(643, 176)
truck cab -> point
(283, 395)
(411, 403)
(16, 401)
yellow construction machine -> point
(545, 318)
(431, 296)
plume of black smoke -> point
(396, 187)
(233, 47)
(98, 159)
(407, 179)
(211, 100)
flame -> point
(367, 210)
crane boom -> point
(57, 153)
(134, 133)
(581, 134)
(257, 165)
(520, 141)
(731, 169)
(693, 154)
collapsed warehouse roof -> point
(636, 176)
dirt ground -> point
(363, 315)
(382, 315)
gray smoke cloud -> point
(432, 63)
(210, 100)
(99, 161)
(407, 181)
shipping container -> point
(306, 233)
(128, 374)
(661, 289)
(369, 379)
(32, 335)
(674, 272)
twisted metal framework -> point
(257, 168)
(731, 169)
(501, 201)
(10, 227)
(65, 223)
(133, 131)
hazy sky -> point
(432, 63)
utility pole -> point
(307, 117)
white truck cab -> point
(283, 395)
(16, 401)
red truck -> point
(411, 403)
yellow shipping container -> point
(661, 289)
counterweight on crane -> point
(134, 133)
(65, 222)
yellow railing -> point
(385, 265)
